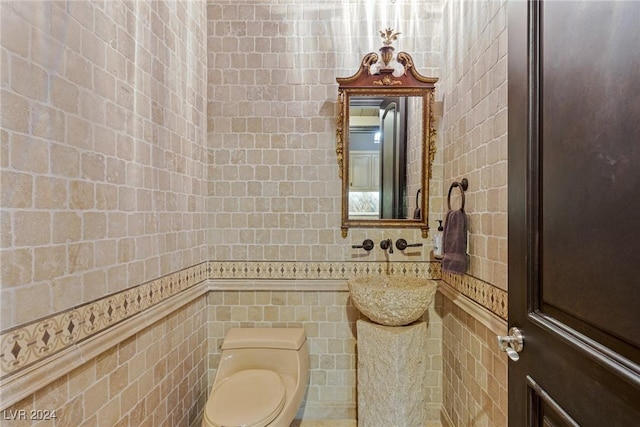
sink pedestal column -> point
(392, 370)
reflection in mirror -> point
(385, 142)
(385, 154)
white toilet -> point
(261, 379)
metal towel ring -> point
(463, 185)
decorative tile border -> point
(488, 296)
(53, 341)
(29, 344)
(291, 270)
(26, 345)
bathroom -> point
(169, 172)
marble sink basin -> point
(392, 300)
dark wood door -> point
(393, 162)
(388, 159)
(574, 212)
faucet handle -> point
(367, 245)
(402, 244)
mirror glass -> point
(385, 157)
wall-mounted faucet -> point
(387, 244)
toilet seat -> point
(253, 397)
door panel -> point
(574, 212)
(546, 412)
(589, 163)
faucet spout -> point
(387, 244)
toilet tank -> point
(275, 338)
(283, 350)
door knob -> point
(512, 344)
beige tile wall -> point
(474, 127)
(474, 132)
(103, 158)
(158, 377)
(107, 183)
(474, 374)
(103, 188)
(274, 187)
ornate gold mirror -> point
(385, 141)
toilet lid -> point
(253, 397)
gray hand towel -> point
(454, 242)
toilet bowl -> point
(261, 379)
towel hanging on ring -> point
(454, 242)
(454, 236)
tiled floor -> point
(324, 423)
(338, 423)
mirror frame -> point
(384, 84)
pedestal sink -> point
(392, 349)
(392, 300)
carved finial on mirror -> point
(388, 36)
(387, 61)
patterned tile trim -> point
(27, 344)
(319, 270)
(485, 294)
